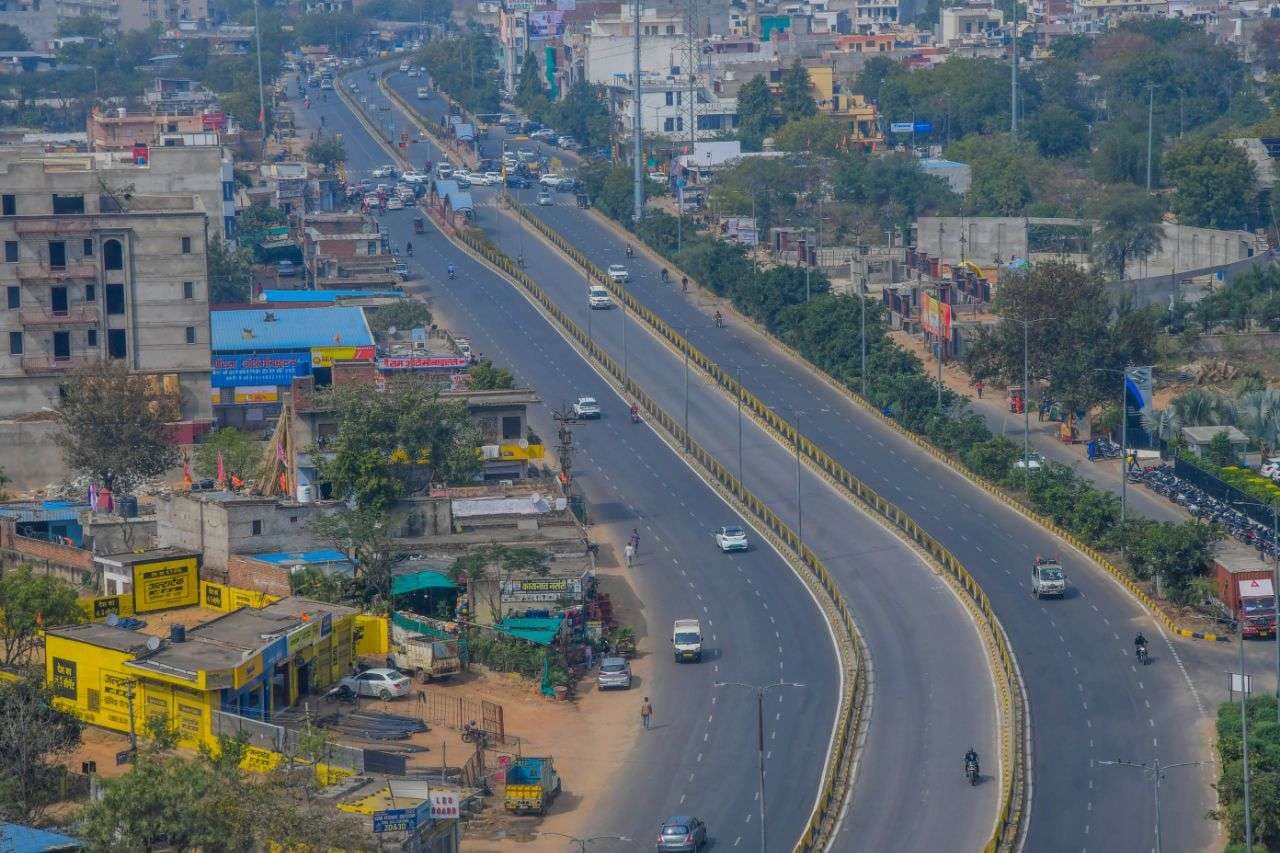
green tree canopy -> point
(401, 315)
(1129, 229)
(465, 66)
(486, 377)
(1058, 131)
(755, 112)
(230, 273)
(796, 99)
(1002, 173)
(1121, 154)
(327, 151)
(1215, 182)
(892, 186)
(12, 38)
(766, 188)
(241, 453)
(818, 134)
(35, 738)
(28, 602)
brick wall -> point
(248, 573)
(48, 558)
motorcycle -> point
(971, 771)
(1143, 655)
(635, 416)
(471, 733)
(719, 321)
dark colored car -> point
(518, 182)
(682, 834)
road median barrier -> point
(852, 713)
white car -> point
(731, 539)
(566, 141)
(384, 172)
(544, 199)
(1271, 468)
(394, 203)
(1033, 462)
(658, 178)
(619, 273)
(551, 180)
(494, 178)
(586, 407)
(479, 179)
(415, 177)
(404, 66)
(598, 296)
(383, 683)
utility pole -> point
(1013, 106)
(1157, 772)
(1151, 101)
(690, 26)
(1244, 747)
(637, 126)
(742, 473)
(262, 103)
(686, 391)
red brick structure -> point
(247, 573)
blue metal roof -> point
(25, 839)
(43, 511)
(294, 328)
(320, 555)
(324, 295)
(459, 200)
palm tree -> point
(1198, 407)
(1164, 424)
(1260, 416)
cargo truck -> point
(531, 785)
(426, 657)
(1245, 589)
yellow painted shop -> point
(250, 662)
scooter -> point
(719, 321)
(635, 415)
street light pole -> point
(1151, 100)
(799, 469)
(760, 690)
(741, 472)
(1157, 769)
(1244, 748)
(862, 300)
(686, 391)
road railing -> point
(851, 715)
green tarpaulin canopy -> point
(540, 630)
(404, 584)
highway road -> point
(760, 621)
(910, 794)
(1088, 700)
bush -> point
(1264, 773)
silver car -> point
(614, 672)
(682, 834)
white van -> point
(686, 637)
(598, 296)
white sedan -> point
(1033, 462)
(384, 172)
(586, 407)
(619, 273)
(381, 682)
(394, 203)
(731, 539)
(551, 180)
(494, 178)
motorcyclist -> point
(971, 761)
(635, 412)
(684, 284)
(450, 270)
(1140, 646)
(408, 248)
(664, 275)
(629, 252)
(719, 320)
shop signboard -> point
(302, 637)
(164, 584)
(241, 370)
(542, 589)
(935, 316)
(256, 394)
(326, 356)
(423, 362)
(64, 678)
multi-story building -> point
(93, 268)
(609, 44)
(665, 109)
(970, 24)
(346, 251)
(107, 10)
(170, 14)
(37, 19)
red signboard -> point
(422, 362)
(213, 121)
(935, 316)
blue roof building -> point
(26, 839)
(260, 330)
(327, 295)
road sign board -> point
(404, 820)
(924, 127)
(901, 127)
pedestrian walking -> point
(635, 540)
(646, 711)
(629, 553)
(978, 386)
(684, 284)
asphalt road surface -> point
(933, 687)
(1088, 700)
(760, 623)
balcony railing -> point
(46, 272)
(41, 316)
(46, 363)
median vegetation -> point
(1264, 774)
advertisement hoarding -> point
(423, 362)
(230, 371)
(326, 356)
(935, 316)
(166, 583)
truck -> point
(531, 785)
(1245, 590)
(1048, 579)
(426, 657)
(686, 638)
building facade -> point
(91, 270)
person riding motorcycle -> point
(635, 413)
(971, 762)
(664, 275)
(719, 320)
(1139, 646)
(450, 270)
(629, 252)
(408, 248)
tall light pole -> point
(1013, 74)
(1275, 582)
(1244, 748)
(760, 690)
(862, 301)
(1124, 443)
(637, 124)
(1151, 101)
(795, 425)
(1026, 388)
(1156, 769)
(686, 390)
(262, 103)
(583, 842)
(741, 471)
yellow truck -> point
(531, 785)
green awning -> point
(540, 630)
(405, 584)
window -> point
(117, 343)
(191, 334)
(8, 204)
(186, 245)
(58, 301)
(91, 339)
(88, 247)
(668, 124)
(115, 299)
(90, 293)
(15, 297)
(188, 290)
(228, 190)
(58, 254)
(511, 427)
(67, 205)
(373, 248)
(113, 255)
(671, 99)
(15, 343)
(61, 346)
(680, 123)
(10, 251)
(671, 29)
(257, 527)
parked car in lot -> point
(683, 834)
(614, 672)
(286, 269)
(586, 407)
(619, 273)
(381, 682)
(732, 538)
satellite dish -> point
(113, 620)
(153, 643)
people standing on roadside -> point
(635, 540)
(978, 387)
(646, 711)
(629, 553)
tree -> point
(1058, 131)
(529, 87)
(1121, 154)
(1258, 415)
(12, 38)
(364, 535)
(28, 603)
(892, 186)
(874, 73)
(1216, 185)
(796, 99)
(115, 426)
(1002, 172)
(766, 188)
(1083, 332)
(507, 562)
(401, 315)
(1199, 407)
(817, 134)
(240, 453)
(583, 113)
(755, 112)
(230, 273)
(486, 377)
(1129, 229)
(4, 481)
(35, 738)
(255, 221)
(327, 151)
(1266, 41)
(1172, 553)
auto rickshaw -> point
(419, 227)
(1017, 399)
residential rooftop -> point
(252, 330)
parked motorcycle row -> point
(1161, 480)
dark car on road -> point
(518, 182)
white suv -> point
(598, 296)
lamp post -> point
(741, 471)
(795, 425)
(1026, 389)
(686, 391)
(1275, 582)
(1124, 443)
(760, 690)
(583, 842)
(1156, 769)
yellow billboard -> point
(326, 356)
(163, 584)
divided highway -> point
(1088, 701)
(933, 695)
(760, 620)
